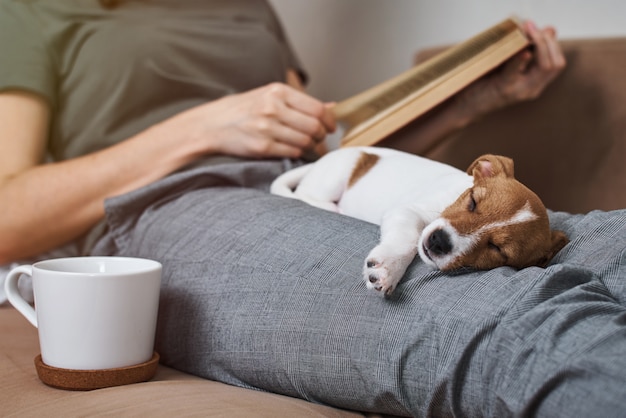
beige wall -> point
(348, 45)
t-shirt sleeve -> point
(25, 61)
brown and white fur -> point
(481, 219)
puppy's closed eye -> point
(498, 250)
(476, 195)
(471, 206)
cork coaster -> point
(95, 379)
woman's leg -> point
(266, 292)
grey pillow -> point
(266, 293)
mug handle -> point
(14, 296)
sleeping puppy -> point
(481, 219)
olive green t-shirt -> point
(108, 74)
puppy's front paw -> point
(383, 270)
(377, 277)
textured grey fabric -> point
(265, 292)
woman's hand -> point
(524, 77)
(271, 121)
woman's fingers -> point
(529, 72)
(307, 119)
(519, 64)
(302, 102)
(548, 53)
(276, 130)
(271, 121)
(554, 50)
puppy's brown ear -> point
(558, 241)
(490, 165)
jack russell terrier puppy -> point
(481, 219)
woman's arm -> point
(522, 78)
(47, 205)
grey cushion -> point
(266, 292)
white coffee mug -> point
(91, 313)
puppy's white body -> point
(449, 217)
(401, 192)
(398, 180)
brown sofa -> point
(569, 146)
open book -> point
(372, 115)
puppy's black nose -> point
(439, 242)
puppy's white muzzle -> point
(441, 244)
